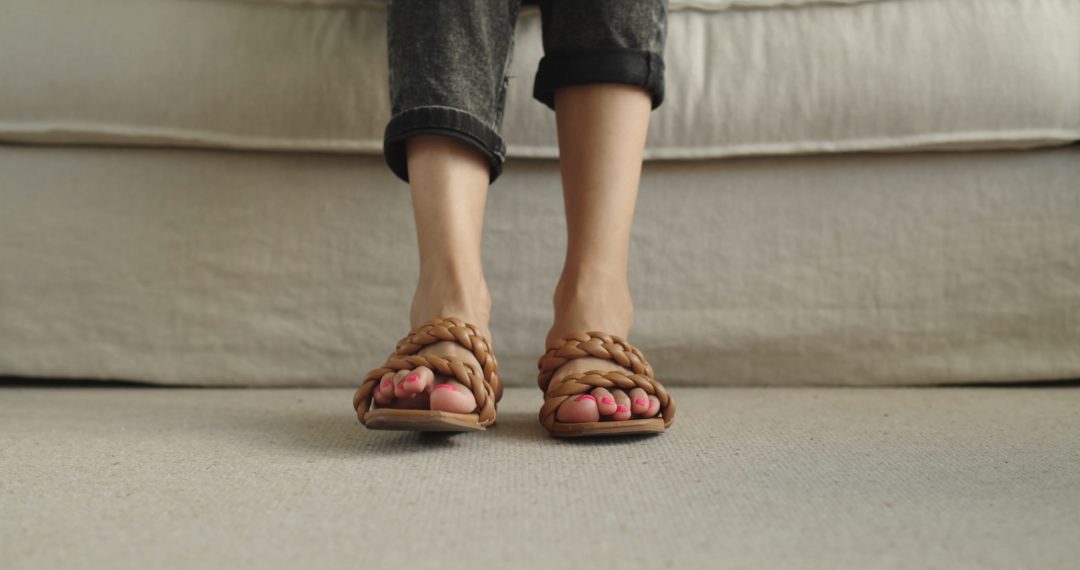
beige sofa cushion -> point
(744, 77)
(251, 268)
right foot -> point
(421, 387)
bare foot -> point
(602, 404)
(583, 307)
(421, 388)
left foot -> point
(602, 404)
(606, 307)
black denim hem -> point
(448, 121)
(614, 65)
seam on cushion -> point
(533, 11)
(210, 141)
(313, 4)
(733, 5)
(170, 136)
(1021, 139)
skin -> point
(602, 129)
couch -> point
(846, 205)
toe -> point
(639, 401)
(452, 397)
(622, 405)
(605, 402)
(417, 381)
(577, 409)
(654, 407)
(384, 390)
(399, 384)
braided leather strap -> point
(483, 383)
(598, 345)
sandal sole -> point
(422, 420)
(625, 427)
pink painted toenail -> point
(584, 397)
(620, 409)
(450, 387)
(412, 378)
(386, 383)
(641, 402)
(607, 400)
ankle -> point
(451, 292)
(592, 301)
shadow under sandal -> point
(608, 347)
(484, 384)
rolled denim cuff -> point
(613, 65)
(441, 120)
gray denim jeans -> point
(449, 61)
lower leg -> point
(448, 182)
(602, 130)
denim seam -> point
(608, 65)
(454, 110)
(446, 120)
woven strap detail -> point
(591, 344)
(597, 345)
(483, 382)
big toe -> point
(578, 409)
(452, 397)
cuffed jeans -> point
(449, 61)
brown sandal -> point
(609, 347)
(484, 385)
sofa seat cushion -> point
(744, 77)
